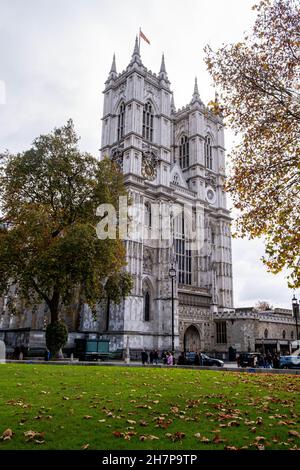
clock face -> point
(149, 171)
(210, 195)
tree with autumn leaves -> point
(260, 99)
(49, 249)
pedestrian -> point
(144, 357)
(151, 356)
(181, 359)
(155, 357)
(197, 359)
(164, 357)
(170, 359)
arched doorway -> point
(191, 340)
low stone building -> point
(246, 329)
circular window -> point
(210, 195)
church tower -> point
(168, 157)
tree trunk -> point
(107, 313)
(54, 303)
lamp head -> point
(172, 272)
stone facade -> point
(168, 156)
(249, 330)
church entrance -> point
(191, 339)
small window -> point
(121, 121)
(184, 152)
(292, 335)
(221, 332)
(208, 152)
(176, 179)
(148, 218)
(266, 333)
(283, 334)
(148, 122)
(213, 237)
(147, 306)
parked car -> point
(289, 362)
(211, 361)
(248, 359)
(204, 360)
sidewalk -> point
(229, 367)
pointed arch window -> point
(183, 253)
(148, 121)
(148, 217)
(121, 121)
(176, 179)
(283, 334)
(147, 306)
(208, 152)
(184, 152)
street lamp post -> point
(296, 314)
(172, 274)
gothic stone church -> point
(169, 156)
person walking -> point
(155, 357)
(197, 360)
(144, 357)
(170, 359)
(151, 356)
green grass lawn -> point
(75, 407)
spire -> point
(196, 91)
(163, 65)
(136, 57)
(196, 95)
(113, 68)
(173, 107)
(163, 73)
(136, 46)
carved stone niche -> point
(210, 180)
(147, 261)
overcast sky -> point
(55, 56)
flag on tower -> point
(144, 37)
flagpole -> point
(140, 40)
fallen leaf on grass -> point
(149, 437)
(7, 435)
(217, 439)
(174, 409)
(43, 417)
(87, 417)
(34, 436)
(294, 433)
(230, 448)
(85, 446)
(177, 436)
(143, 423)
(131, 421)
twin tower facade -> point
(170, 158)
